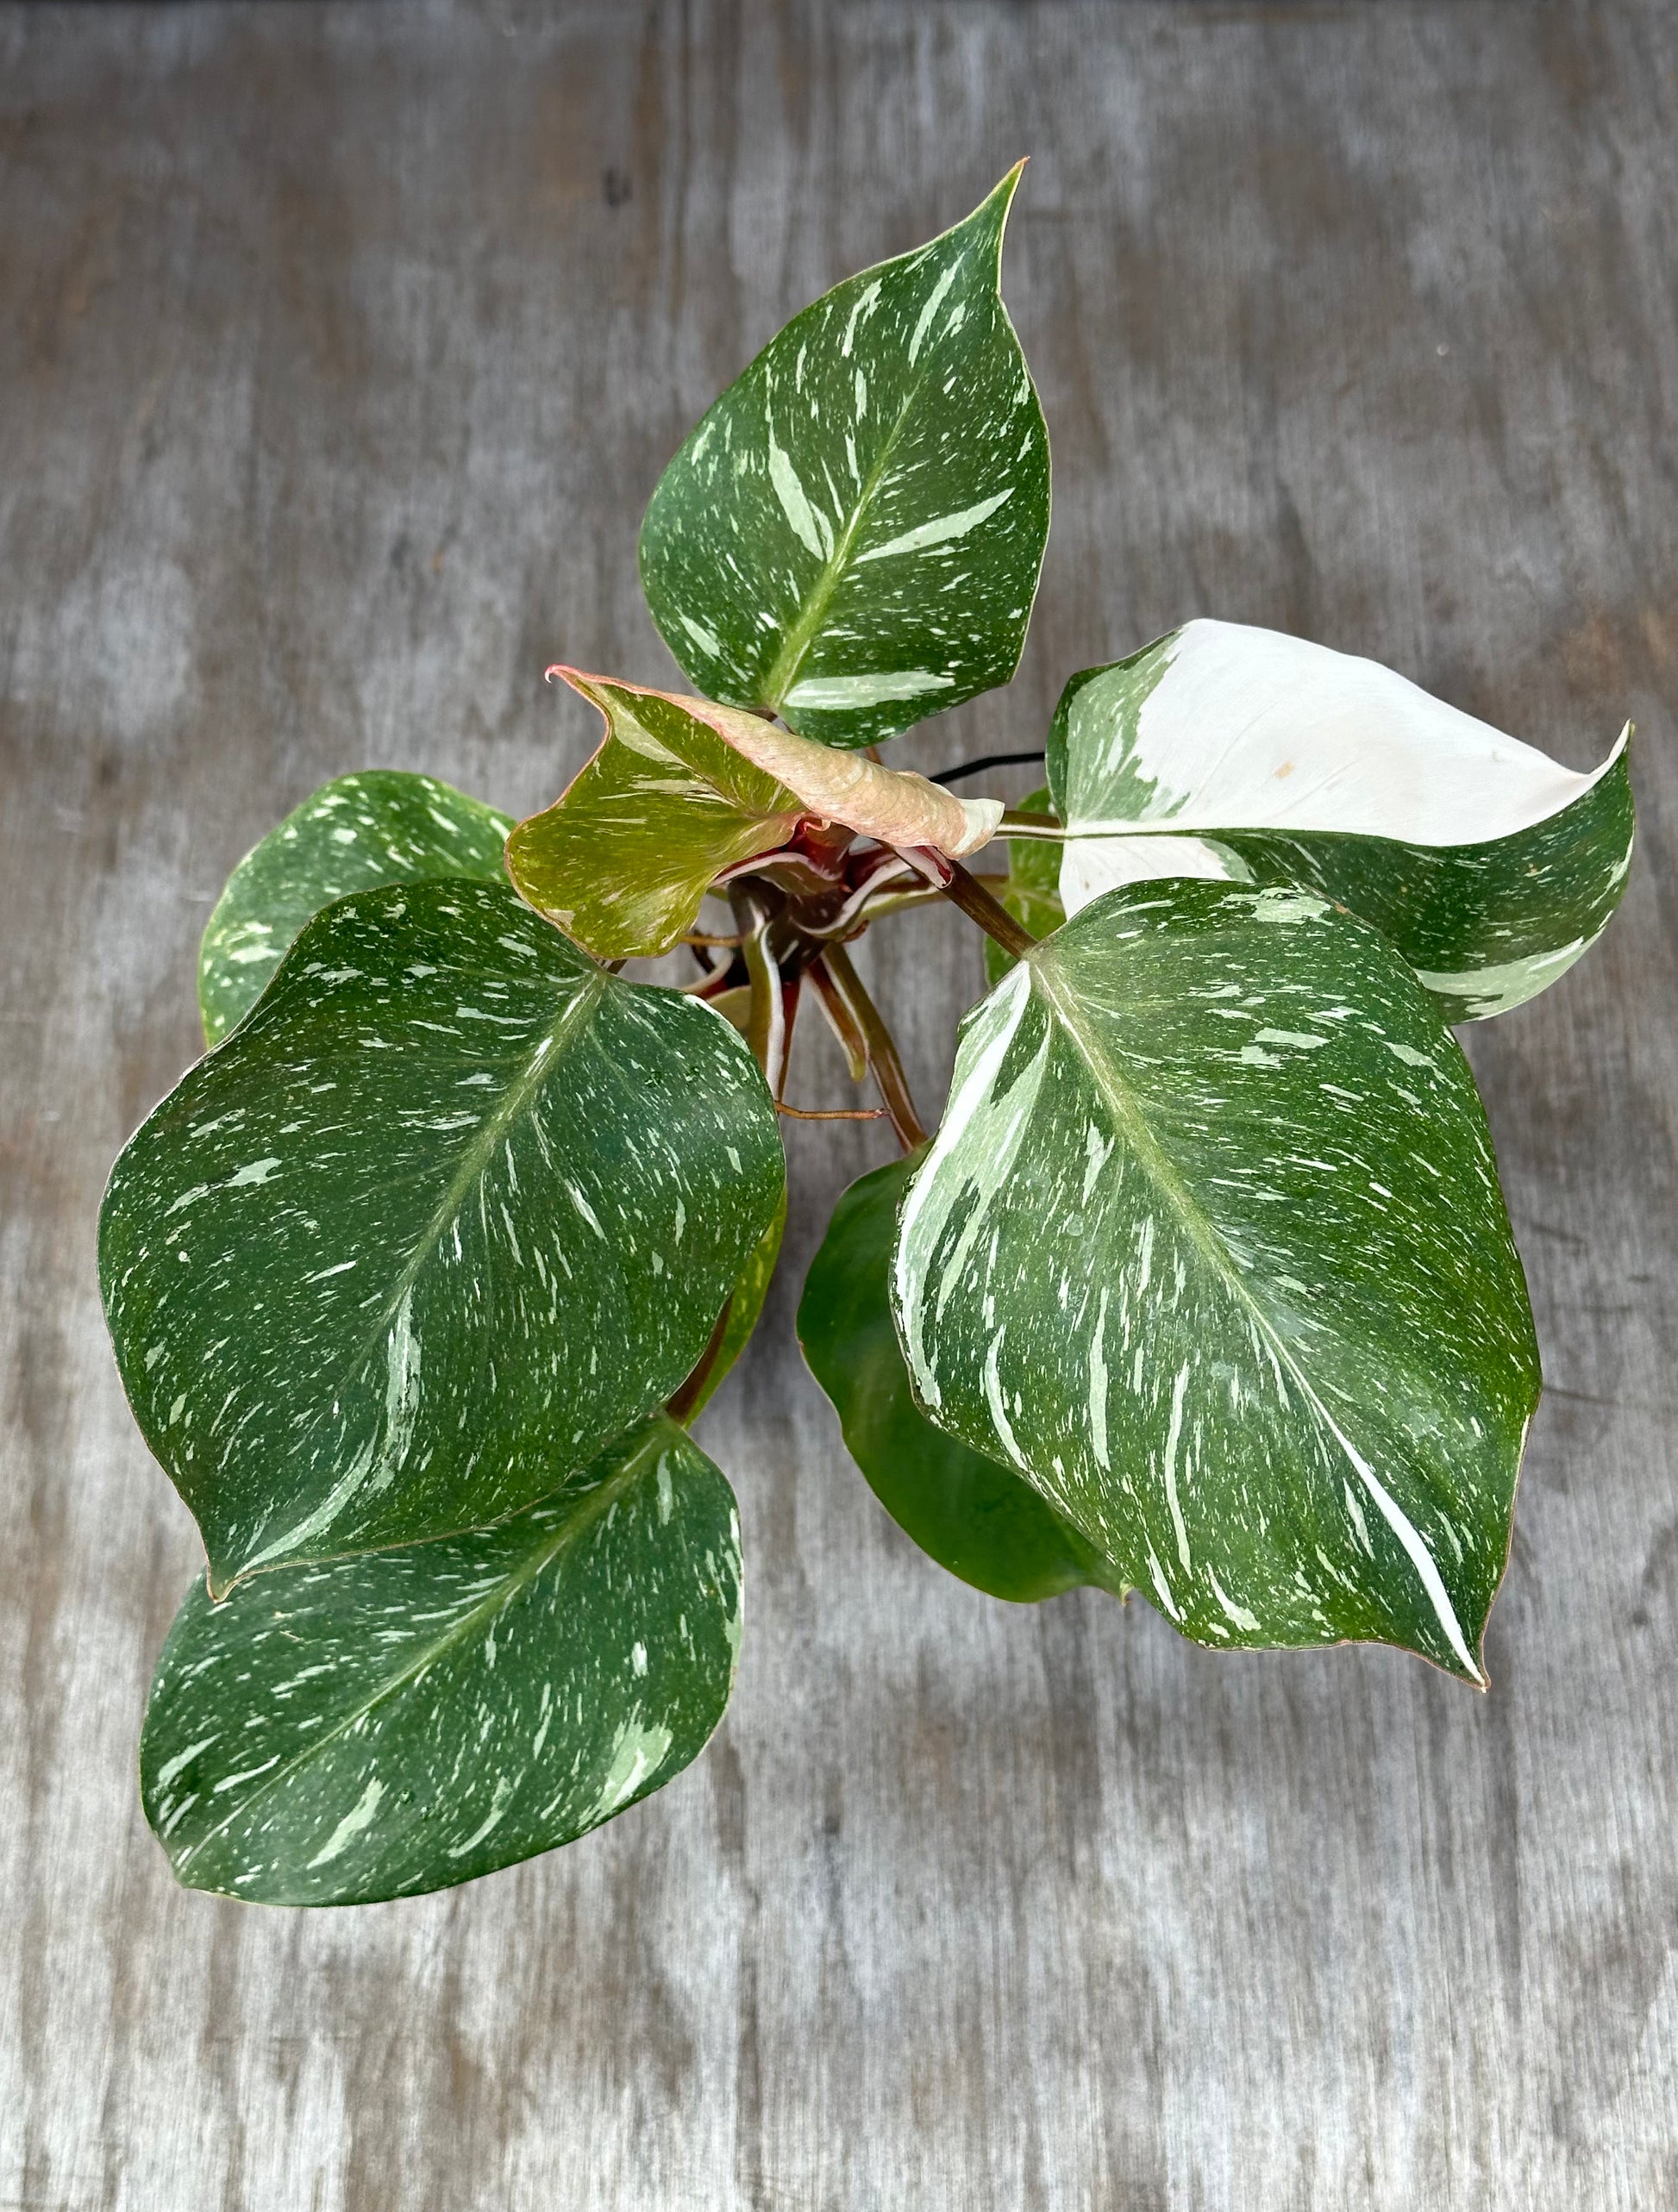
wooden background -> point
(339, 347)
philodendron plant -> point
(1204, 1286)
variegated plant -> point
(1203, 1288)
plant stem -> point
(965, 768)
(830, 1113)
(878, 1045)
(994, 918)
(840, 1019)
(1023, 823)
(765, 1026)
(680, 1407)
(923, 895)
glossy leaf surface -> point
(340, 1733)
(681, 790)
(1244, 755)
(851, 538)
(451, 1207)
(1032, 891)
(1211, 1247)
(975, 1516)
(380, 826)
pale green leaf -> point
(852, 537)
(1243, 755)
(681, 790)
(451, 1207)
(972, 1515)
(1211, 1247)
(335, 1734)
(380, 826)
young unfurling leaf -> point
(681, 791)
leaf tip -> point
(997, 203)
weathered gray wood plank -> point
(339, 348)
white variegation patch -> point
(1223, 750)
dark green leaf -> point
(450, 1207)
(331, 1735)
(851, 538)
(974, 1516)
(1246, 756)
(1211, 1247)
(382, 826)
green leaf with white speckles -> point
(974, 1515)
(380, 826)
(450, 1207)
(335, 1734)
(1211, 1247)
(1243, 755)
(1032, 891)
(852, 537)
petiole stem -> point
(879, 1047)
(767, 1025)
(994, 918)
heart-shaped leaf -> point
(1244, 756)
(1210, 1247)
(1032, 891)
(331, 1735)
(851, 538)
(450, 1207)
(974, 1516)
(680, 790)
(380, 826)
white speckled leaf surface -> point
(1244, 756)
(333, 1734)
(852, 537)
(452, 1207)
(1210, 1247)
(378, 826)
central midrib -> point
(784, 672)
(1202, 1230)
(545, 1055)
(590, 1504)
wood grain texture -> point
(339, 347)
